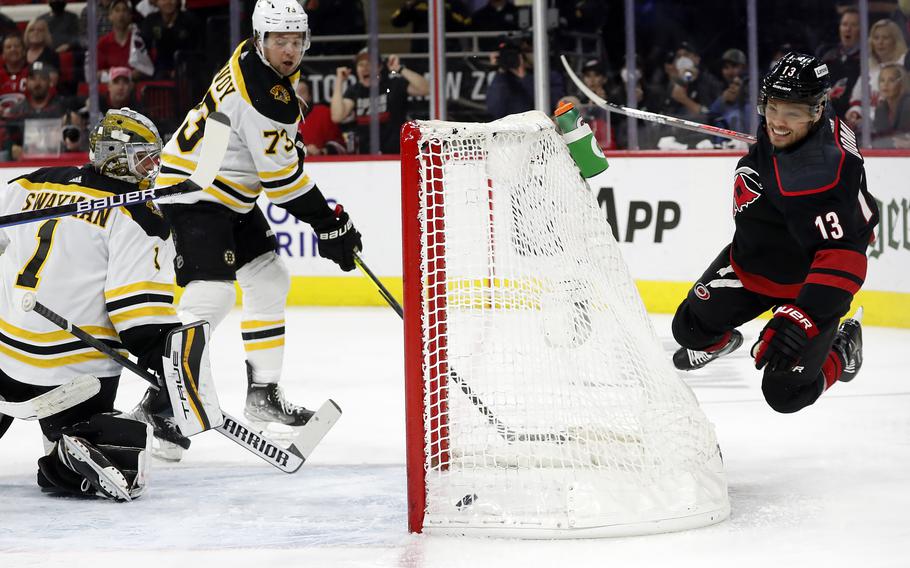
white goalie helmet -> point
(279, 16)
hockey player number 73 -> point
(187, 142)
(30, 275)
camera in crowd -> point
(510, 54)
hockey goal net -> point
(539, 400)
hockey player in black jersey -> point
(110, 273)
(803, 221)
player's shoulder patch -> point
(819, 164)
(271, 95)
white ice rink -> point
(827, 487)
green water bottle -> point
(578, 136)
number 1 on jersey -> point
(30, 275)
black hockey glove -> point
(338, 239)
(783, 340)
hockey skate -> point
(691, 359)
(86, 460)
(848, 344)
(168, 443)
(268, 410)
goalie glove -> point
(338, 239)
(783, 340)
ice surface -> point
(828, 486)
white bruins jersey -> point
(105, 271)
(261, 155)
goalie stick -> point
(507, 433)
(53, 401)
(288, 459)
(214, 145)
(654, 117)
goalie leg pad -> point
(188, 376)
(105, 456)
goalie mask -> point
(276, 16)
(125, 145)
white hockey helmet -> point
(279, 16)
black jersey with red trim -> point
(804, 218)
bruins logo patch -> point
(229, 257)
(279, 93)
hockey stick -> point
(654, 117)
(507, 433)
(287, 460)
(53, 401)
(214, 145)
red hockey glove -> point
(783, 340)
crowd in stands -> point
(157, 56)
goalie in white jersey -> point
(220, 234)
(110, 273)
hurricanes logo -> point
(279, 93)
(701, 291)
(229, 257)
(746, 188)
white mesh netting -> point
(550, 405)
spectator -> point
(512, 89)
(886, 45)
(396, 82)
(495, 16)
(39, 46)
(117, 48)
(103, 24)
(594, 76)
(690, 89)
(167, 31)
(319, 133)
(40, 102)
(843, 61)
(120, 91)
(63, 25)
(336, 17)
(730, 110)
(891, 127)
(13, 73)
(415, 12)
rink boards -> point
(671, 215)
